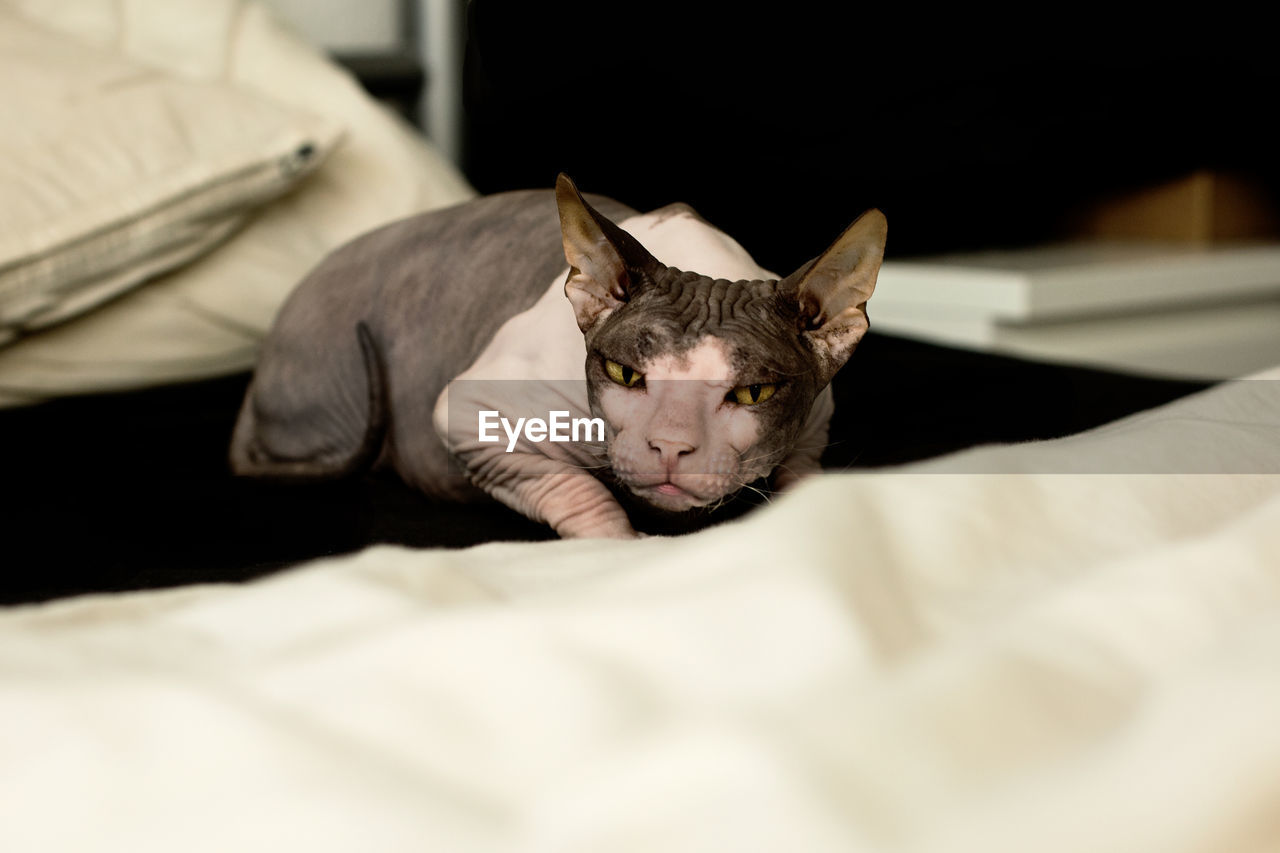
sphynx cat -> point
(455, 347)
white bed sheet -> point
(901, 660)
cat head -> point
(705, 384)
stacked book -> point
(1158, 309)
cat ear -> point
(603, 259)
(832, 290)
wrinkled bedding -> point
(934, 657)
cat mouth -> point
(667, 495)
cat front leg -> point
(574, 503)
(549, 481)
(584, 509)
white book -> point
(1055, 282)
(1199, 341)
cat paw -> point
(610, 526)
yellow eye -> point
(622, 374)
(749, 395)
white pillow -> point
(113, 172)
(209, 317)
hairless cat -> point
(454, 348)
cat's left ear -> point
(832, 290)
(603, 259)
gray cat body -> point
(443, 347)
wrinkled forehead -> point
(679, 312)
(694, 305)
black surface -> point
(969, 127)
(125, 491)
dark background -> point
(781, 122)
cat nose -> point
(670, 450)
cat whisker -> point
(816, 446)
(784, 467)
(769, 462)
(765, 496)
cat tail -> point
(304, 417)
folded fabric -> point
(207, 318)
(114, 172)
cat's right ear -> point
(598, 253)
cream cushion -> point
(113, 172)
(208, 317)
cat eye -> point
(623, 375)
(750, 395)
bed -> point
(1029, 606)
